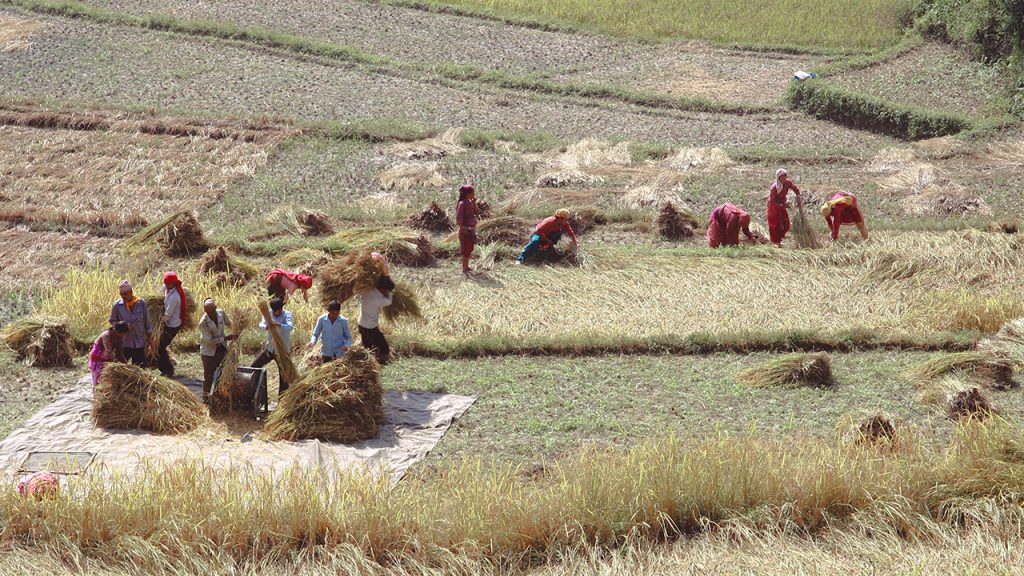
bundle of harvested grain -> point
(306, 260)
(344, 277)
(971, 403)
(127, 396)
(282, 355)
(433, 219)
(911, 179)
(341, 401)
(566, 178)
(945, 200)
(155, 305)
(311, 360)
(675, 224)
(403, 304)
(177, 235)
(583, 219)
(1008, 342)
(1004, 226)
(876, 430)
(984, 368)
(314, 223)
(890, 160)
(40, 341)
(941, 148)
(791, 370)
(235, 271)
(1005, 154)
(663, 188)
(484, 208)
(699, 159)
(401, 245)
(441, 146)
(803, 233)
(221, 400)
(507, 230)
(408, 175)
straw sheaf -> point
(228, 268)
(129, 397)
(946, 200)
(406, 176)
(984, 368)
(1005, 154)
(344, 277)
(282, 354)
(222, 400)
(585, 163)
(404, 304)
(442, 146)
(42, 342)
(791, 370)
(403, 245)
(176, 235)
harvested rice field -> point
(641, 404)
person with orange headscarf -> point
(725, 225)
(132, 310)
(778, 216)
(843, 209)
(175, 315)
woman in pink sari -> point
(107, 348)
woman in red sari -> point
(843, 209)
(778, 217)
(725, 225)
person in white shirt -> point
(175, 314)
(371, 301)
(212, 342)
(282, 319)
(333, 333)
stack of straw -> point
(177, 235)
(129, 397)
(343, 278)
(228, 268)
(40, 341)
(791, 370)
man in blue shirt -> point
(282, 319)
(333, 333)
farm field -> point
(646, 404)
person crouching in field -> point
(725, 225)
(547, 234)
(212, 342)
(333, 333)
(107, 348)
(282, 284)
(843, 209)
(175, 314)
(778, 216)
(282, 319)
(465, 217)
(371, 301)
(133, 311)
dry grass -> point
(176, 235)
(404, 304)
(948, 200)
(130, 397)
(803, 232)
(813, 370)
(406, 176)
(228, 268)
(586, 163)
(663, 188)
(40, 341)
(17, 33)
(912, 179)
(675, 224)
(432, 219)
(981, 367)
(698, 160)
(1005, 154)
(41, 259)
(402, 245)
(442, 146)
(508, 230)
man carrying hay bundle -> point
(282, 284)
(175, 314)
(466, 213)
(282, 320)
(725, 224)
(333, 333)
(778, 216)
(133, 311)
(107, 348)
(547, 234)
(212, 342)
(843, 209)
(371, 301)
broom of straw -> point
(284, 359)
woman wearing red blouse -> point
(465, 216)
(843, 209)
(778, 217)
(725, 225)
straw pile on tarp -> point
(282, 355)
(970, 403)
(344, 277)
(221, 400)
(176, 235)
(155, 305)
(984, 368)
(803, 232)
(41, 342)
(791, 370)
(402, 245)
(129, 397)
(314, 223)
(507, 230)
(228, 268)
(404, 304)
(674, 223)
(341, 401)
(433, 219)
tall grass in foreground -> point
(860, 24)
(751, 483)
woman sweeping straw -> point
(465, 216)
(843, 209)
(778, 217)
(107, 348)
(725, 224)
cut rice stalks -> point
(351, 274)
(341, 401)
(314, 223)
(403, 304)
(675, 223)
(791, 370)
(432, 219)
(803, 232)
(228, 268)
(155, 305)
(129, 397)
(507, 230)
(402, 245)
(41, 342)
(282, 355)
(221, 399)
(984, 368)
(405, 176)
(176, 235)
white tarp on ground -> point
(414, 424)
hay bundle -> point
(971, 403)
(911, 179)
(803, 232)
(344, 277)
(1008, 342)
(401, 245)
(566, 178)
(341, 401)
(584, 219)
(314, 223)
(155, 305)
(433, 219)
(675, 224)
(791, 370)
(876, 430)
(1004, 226)
(699, 159)
(984, 368)
(889, 266)
(442, 146)
(941, 148)
(129, 397)
(282, 355)
(664, 187)
(403, 304)
(889, 160)
(1006, 154)
(405, 176)
(507, 230)
(40, 341)
(177, 235)
(945, 200)
(306, 260)
(484, 209)
(221, 399)
(232, 269)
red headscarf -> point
(172, 278)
